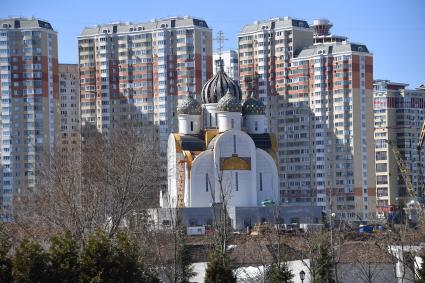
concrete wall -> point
(241, 217)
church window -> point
(261, 181)
(210, 120)
(236, 181)
(234, 143)
(191, 125)
(233, 123)
(206, 182)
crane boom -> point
(421, 138)
(405, 174)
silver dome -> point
(189, 106)
(229, 103)
(253, 106)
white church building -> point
(222, 148)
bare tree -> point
(403, 244)
(100, 187)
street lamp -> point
(302, 275)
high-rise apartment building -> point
(29, 104)
(318, 88)
(265, 50)
(327, 137)
(69, 99)
(137, 72)
(229, 61)
(399, 115)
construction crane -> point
(406, 177)
(421, 138)
(419, 163)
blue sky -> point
(394, 30)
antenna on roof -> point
(220, 40)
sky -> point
(393, 30)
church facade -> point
(222, 151)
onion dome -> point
(229, 103)
(189, 106)
(216, 87)
(253, 106)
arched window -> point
(191, 125)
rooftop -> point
(126, 27)
(332, 48)
(23, 23)
(275, 24)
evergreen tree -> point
(5, 260)
(184, 260)
(128, 258)
(219, 269)
(106, 261)
(279, 273)
(97, 261)
(64, 257)
(323, 265)
(30, 263)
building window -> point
(381, 155)
(233, 123)
(261, 181)
(234, 143)
(381, 167)
(256, 125)
(236, 181)
(206, 182)
(191, 125)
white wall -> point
(210, 115)
(247, 179)
(255, 273)
(202, 165)
(185, 121)
(229, 121)
(267, 166)
(255, 124)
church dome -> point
(253, 106)
(229, 103)
(216, 87)
(189, 106)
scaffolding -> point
(180, 183)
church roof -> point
(229, 103)
(190, 106)
(192, 143)
(216, 87)
(262, 141)
(211, 144)
(253, 106)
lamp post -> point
(302, 276)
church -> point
(222, 151)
